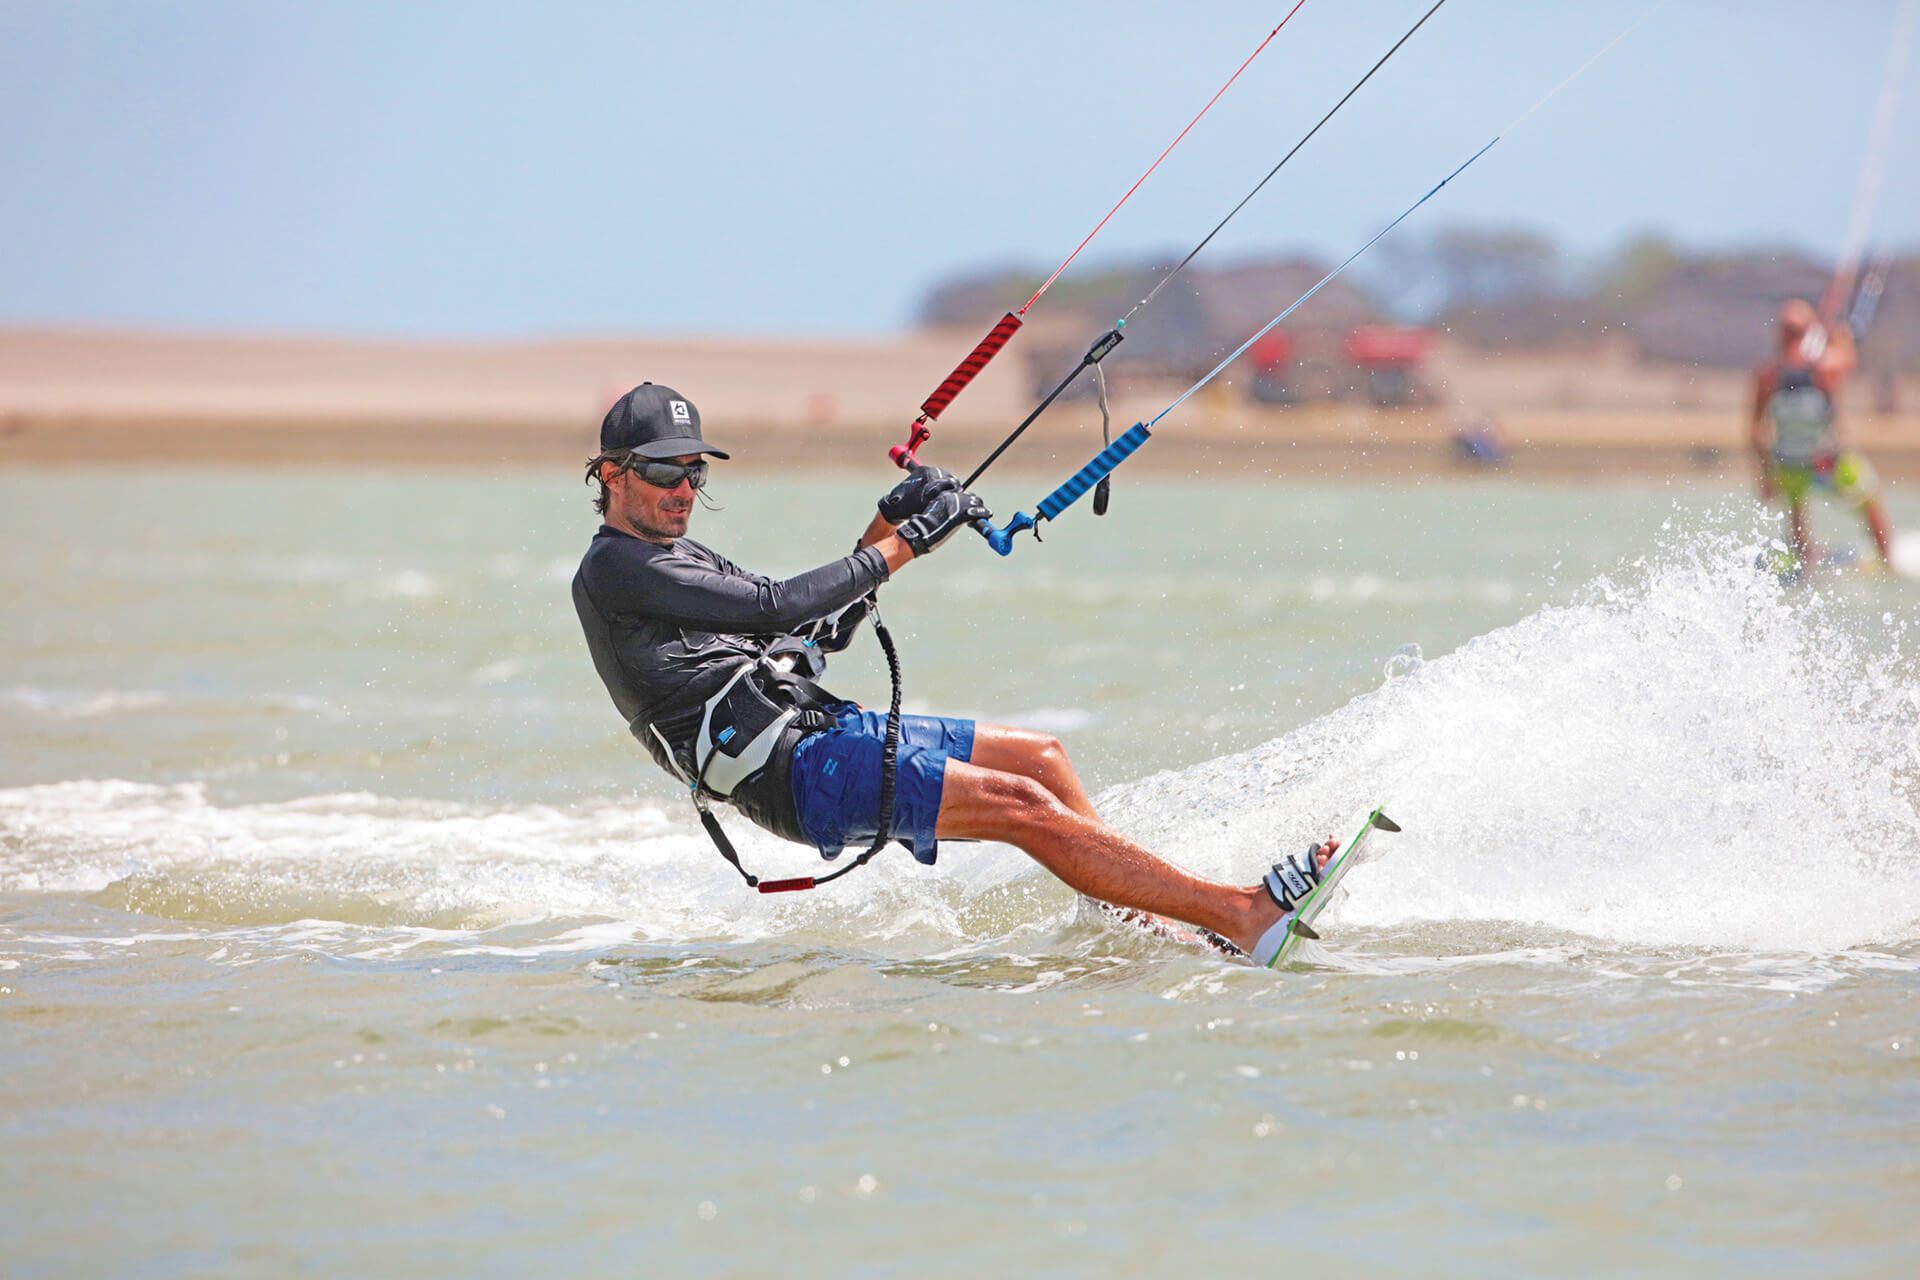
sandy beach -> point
(67, 397)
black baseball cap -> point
(654, 422)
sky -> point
(485, 169)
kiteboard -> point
(1827, 561)
(1792, 570)
(1317, 900)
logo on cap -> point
(680, 412)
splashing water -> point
(425, 868)
(343, 906)
(1685, 757)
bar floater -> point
(1066, 495)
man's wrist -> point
(894, 550)
(877, 528)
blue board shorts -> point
(836, 779)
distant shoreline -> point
(182, 444)
(78, 398)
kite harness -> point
(739, 732)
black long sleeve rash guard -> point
(669, 623)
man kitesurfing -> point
(1796, 435)
(1795, 427)
(713, 668)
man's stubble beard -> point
(636, 522)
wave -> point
(372, 576)
(1216, 592)
(81, 704)
(1685, 757)
(366, 860)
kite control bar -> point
(1066, 495)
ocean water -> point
(344, 932)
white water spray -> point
(1687, 757)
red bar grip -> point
(967, 369)
(786, 886)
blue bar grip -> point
(1084, 479)
(1001, 540)
(1060, 499)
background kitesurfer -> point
(1796, 434)
(714, 669)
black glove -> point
(945, 515)
(911, 496)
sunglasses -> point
(668, 475)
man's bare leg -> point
(1880, 528)
(1033, 755)
(1093, 859)
(1041, 756)
(1802, 536)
